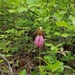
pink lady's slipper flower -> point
(39, 41)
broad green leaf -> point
(2, 36)
(7, 43)
(47, 31)
(73, 19)
(1, 61)
(1, 13)
(34, 73)
(47, 59)
(42, 72)
(11, 30)
(46, 18)
(62, 23)
(14, 49)
(21, 32)
(6, 55)
(53, 48)
(53, 2)
(23, 72)
(30, 1)
(7, 49)
(49, 66)
(65, 35)
(59, 45)
(57, 33)
(12, 11)
(33, 6)
(14, 2)
(59, 15)
(8, 31)
(48, 44)
(38, 19)
(42, 52)
(62, 12)
(56, 66)
(22, 9)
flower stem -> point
(39, 56)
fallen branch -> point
(10, 69)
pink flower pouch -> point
(39, 41)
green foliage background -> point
(20, 18)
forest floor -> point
(19, 61)
(23, 60)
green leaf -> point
(56, 66)
(65, 35)
(1, 61)
(12, 11)
(21, 32)
(53, 48)
(2, 36)
(42, 72)
(30, 1)
(11, 30)
(1, 13)
(38, 19)
(68, 67)
(22, 9)
(14, 49)
(47, 31)
(48, 44)
(34, 73)
(73, 19)
(62, 23)
(59, 15)
(57, 33)
(23, 72)
(46, 18)
(59, 45)
(6, 55)
(62, 12)
(8, 42)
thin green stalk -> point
(39, 56)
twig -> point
(10, 69)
